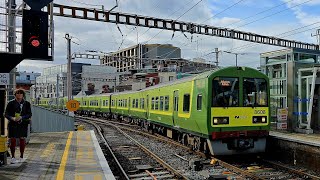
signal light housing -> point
(35, 43)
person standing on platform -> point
(18, 112)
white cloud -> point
(106, 37)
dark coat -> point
(18, 129)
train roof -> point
(186, 79)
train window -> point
(156, 103)
(176, 103)
(186, 102)
(107, 102)
(141, 103)
(112, 102)
(225, 92)
(161, 103)
(133, 103)
(255, 92)
(166, 103)
(199, 102)
(152, 103)
(137, 103)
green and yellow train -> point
(224, 111)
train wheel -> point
(185, 140)
(180, 138)
(196, 144)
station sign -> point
(4, 78)
(282, 114)
(282, 126)
(73, 105)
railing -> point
(44, 120)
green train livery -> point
(222, 112)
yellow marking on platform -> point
(86, 163)
(60, 174)
(48, 151)
(82, 176)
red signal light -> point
(34, 41)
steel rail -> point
(107, 145)
(298, 172)
(146, 150)
(225, 164)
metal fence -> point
(44, 120)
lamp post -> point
(236, 55)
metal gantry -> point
(173, 25)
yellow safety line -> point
(60, 174)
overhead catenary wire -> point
(299, 4)
(258, 13)
(229, 7)
(124, 37)
(265, 17)
(87, 4)
(274, 13)
(176, 20)
(167, 17)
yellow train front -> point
(239, 111)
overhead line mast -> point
(169, 24)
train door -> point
(147, 107)
(129, 105)
(175, 105)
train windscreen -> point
(255, 92)
(225, 92)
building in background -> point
(56, 76)
(24, 80)
(137, 56)
(87, 79)
(141, 78)
(161, 57)
(97, 79)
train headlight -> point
(220, 120)
(259, 119)
(215, 120)
(225, 121)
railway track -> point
(267, 170)
(133, 159)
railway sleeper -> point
(187, 139)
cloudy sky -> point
(290, 19)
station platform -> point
(307, 139)
(60, 155)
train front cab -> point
(239, 120)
